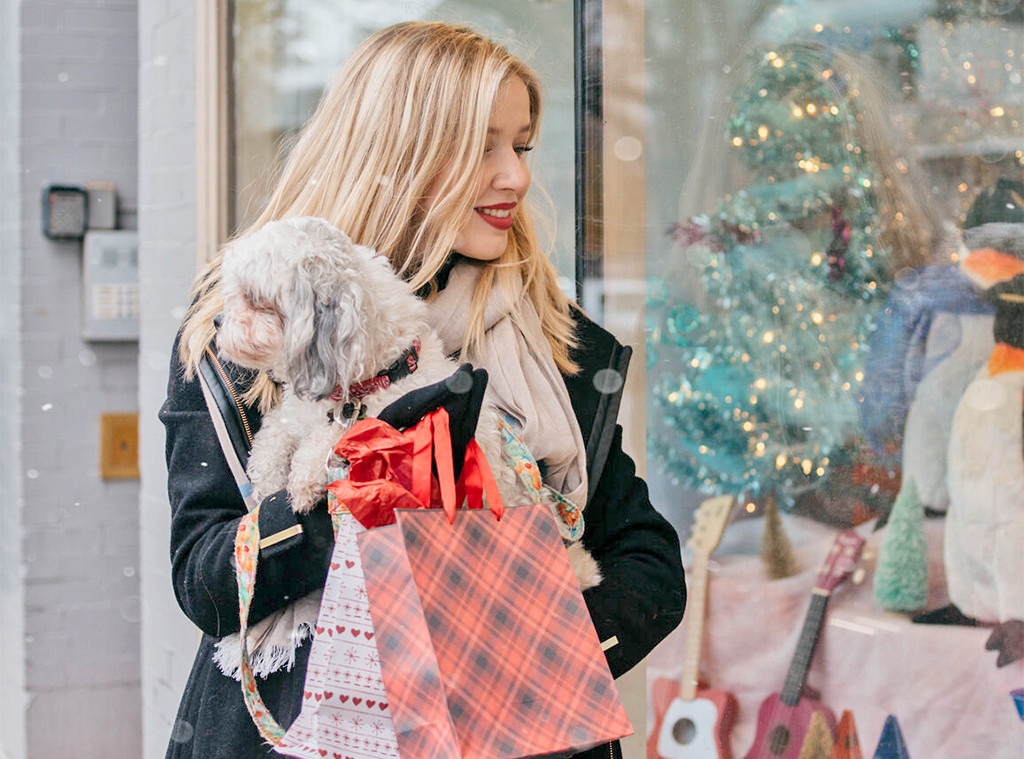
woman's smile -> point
(498, 215)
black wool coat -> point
(639, 601)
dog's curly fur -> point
(318, 312)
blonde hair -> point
(406, 116)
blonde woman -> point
(419, 150)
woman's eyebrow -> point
(522, 130)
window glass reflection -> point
(834, 338)
(286, 51)
(839, 155)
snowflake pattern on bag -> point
(344, 706)
(344, 711)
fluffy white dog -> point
(331, 321)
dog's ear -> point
(323, 334)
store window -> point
(801, 216)
(833, 337)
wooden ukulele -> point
(693, 722)
(783, 718)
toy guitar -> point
(693, 722)
(783, 718)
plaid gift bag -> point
(482, 638)
(480, 624)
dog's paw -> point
(307, 475)
(307, 485)
(588, 573)
(268, 459)
(304, 494)
(304, 502)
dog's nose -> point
(218, 320)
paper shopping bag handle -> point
(432, 443)
(432, 447)
(477, 480)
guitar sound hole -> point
(778, 740)
(684, 731)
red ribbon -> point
(391, 470)
(432, 443)
(476, 480)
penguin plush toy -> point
(983, 545)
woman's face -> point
(504, 176)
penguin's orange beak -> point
(986, 266)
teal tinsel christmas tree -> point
(756, 348)
(901, 579)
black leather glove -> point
(461, 395)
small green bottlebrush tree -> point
(777, 556)
(901, 577)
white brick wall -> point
(167, 226)
(12, 615)
(69, 555)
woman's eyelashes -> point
(518, 149)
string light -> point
(775, 367)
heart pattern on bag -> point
(345, 712)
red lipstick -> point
(498, 215)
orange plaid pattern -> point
(407, 663)
(520, 662)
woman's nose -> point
(513, 174)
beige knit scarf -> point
(524, 380)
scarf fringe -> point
(584, 565)
(264, 662)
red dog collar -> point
(405, 365)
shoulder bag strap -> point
(221, 399)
